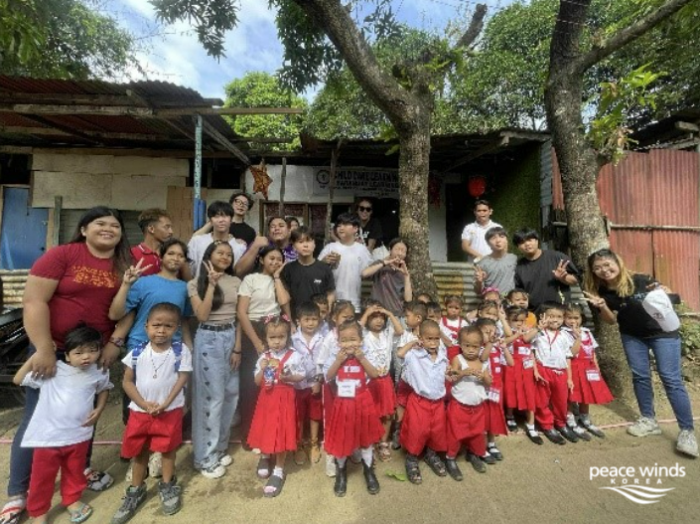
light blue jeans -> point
(667, 352)
(214, 395)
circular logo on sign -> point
(323, 177)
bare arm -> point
(403, 350)
(373, 268)
(117, 309)
(398, 328)
(206, 228)
(369, 368)
(186, 333)
(245, 323)
(246, 263)
(202, 306)
(469, 250)
(22, 371)
(129, 387)
(259, 374)
(37, 294)
(182, 379)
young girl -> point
(274, 427)
(466, 418)
(381, 329)
(452, 322)
(217, 357)
(519, 380)
(63, 424)
(354, 422)
(498, 358)
(491, 294)
(589, 386)
(519, 297)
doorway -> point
(23, 231)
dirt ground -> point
(547, 484)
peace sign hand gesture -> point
(560, 272)
(593, 300)
(132, 274)
(212, 274)
(479, 274)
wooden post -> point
(283, 184)
(57, 208)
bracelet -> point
(236, 352)
(118, 341)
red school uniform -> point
(495, 417)
(274, 426)
(589, 386)
(354, 422)
(519, 381)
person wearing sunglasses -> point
(370, 228)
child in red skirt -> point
(589, 385)
(553, 351)
(154, 380)
(498, 358)
(453, 321)
(519, 380)
(381, 330)
(274, 427)
(424, 426)
(354, 422)
(307, 341)
(466, 419)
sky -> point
(175, 55)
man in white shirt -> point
(473, 237)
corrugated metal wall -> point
(659, 190)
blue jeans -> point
(214, 395)
(667, 352)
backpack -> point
(136, 353)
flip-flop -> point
(274, 486)
(12, 511)
(81, 514)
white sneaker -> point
(226, 460)
(643, 427)
(687, 444)
(330, 466)
(155, 465)
(214, 472)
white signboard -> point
(357, 181)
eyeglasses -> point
(363, 208)
(241, 202)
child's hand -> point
(543, 322)
(570, 384)
(92, 418)
(150, 407)
(264, 363)
(577, 332)
(478, 374)
(539, 377)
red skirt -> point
(587, 391)
(274, 426)
(382, 390)
(326, 402)
(403, 390)
(354, 423)
(519, 387)
(424, 424)
(495, 418)
(465, 421)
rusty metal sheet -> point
(677, 263)
(673, 183)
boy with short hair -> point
(307, 341)
(324, 308)
(157, 227)
(306, 276)
(347, 258)
(154, 377)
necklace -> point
(155, 369)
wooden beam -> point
(488, 148)
(224, 142)
(88, 99)
(115, 151)
(526, 135)
(66, 129)
(135, 111)
(45, 131)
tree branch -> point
(474, 29)
(629, 33)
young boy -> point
(424, 425)
(324, 308)
(306, 276)
(347, 258)
(154, 377)
(63, 423)
(307, 341)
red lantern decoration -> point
(476, 185)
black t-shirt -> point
(536, 277)
(303, 282)
(373, 230)
(631, 315)
(243, 231)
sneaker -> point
(226, 460)
(643, 427)
(155, 465)
(330, 466)
(687, 444)
(214, 472)
(534, 437)
(511, 425)
(568, 434)
(170, 500)
(489, 459)
(495, 452)
(477, 463)
(98, 480)
(130, 503)
(554, 436)
(580, 433)
(590, 427)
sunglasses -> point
(363, 208)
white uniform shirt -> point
(65, 402)
(476, 235)
(156, 376)
(425, 376)
(379, 348)
(199, 244)
(469, 390)
(445, 323)
(552, 349)
(309, 352)
(348, 273)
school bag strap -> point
(136, 353)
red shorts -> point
(162, 433)
(402, 392)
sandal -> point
(81, 514)
(98, 480)
(315, 452)
(432, 460)
(274, 486)
(12, 510)
(383, 451)
(300, 456)
(264, 467)
(413, 471)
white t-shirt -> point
(469, 390)
(348, 274)
(65, 402)
(260, 288)
(379, 348)
(476, 235)
(308, 352)
(156, 376)
(199, 244)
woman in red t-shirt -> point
(70, 284)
